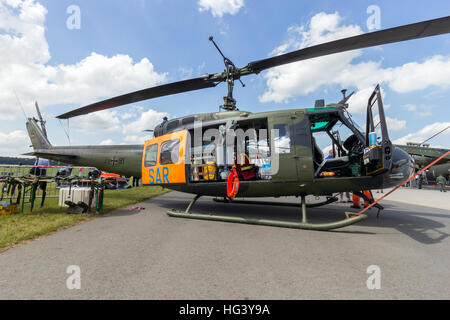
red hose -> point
(232, 184)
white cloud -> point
(220, 7)
(420, 111)
(185, 73)
(425, 133)
(424, 113)
(136, 139)
(132, 112)
(146, 121)
(25, 67)
(418, 76)
(14, 143)
(409, 107)
(201, 67)
(393, 124)
(105, 120)
(107, 142)
(358, 102)
(113, 122)
(303, 77)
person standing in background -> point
(441, 181)
(330, 154)
(135, 182)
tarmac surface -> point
(144, 254)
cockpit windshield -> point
(348, 116)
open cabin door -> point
(163, 159)
(378, 147)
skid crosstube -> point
(304, 224)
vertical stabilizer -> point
(37, 137)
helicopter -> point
(234, 154)
(423, 155)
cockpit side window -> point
(169, 152)
(151, 154)
(283, 140)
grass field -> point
(20, 227)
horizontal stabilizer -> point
(48, 154)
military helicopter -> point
(423, 155)
(236, 154)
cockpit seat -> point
(337, 162)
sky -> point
(67, 54)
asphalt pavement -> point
(145, 254)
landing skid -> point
(281, 204)
(304, 224)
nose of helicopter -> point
(402, 167)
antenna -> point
(20, 104)
(345, 98)
(65, 131)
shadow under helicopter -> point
(417, 222)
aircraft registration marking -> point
(159, 177)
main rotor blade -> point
(149, 93)
(408, 32)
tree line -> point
(23, 161)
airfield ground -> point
(144, 254)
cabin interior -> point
(344, 157)
(244, 148)
(249, 149)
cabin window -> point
(151, 154)
(283, 140)
(169, 152)
(172, 125)
(188, 120)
